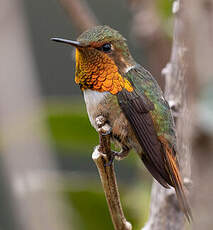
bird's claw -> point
(105, 130)
(111, 158)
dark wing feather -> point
(158, 152)
(136, 108)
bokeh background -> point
(46, 138)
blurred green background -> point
(71, 134)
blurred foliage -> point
(164, 10)
(91, 211)
(70, 127)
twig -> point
(101, 156)
(80, 13)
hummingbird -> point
(116, 87)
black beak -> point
(69, 42)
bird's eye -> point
(106, 48)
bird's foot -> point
(103, 127)
(117, 155)
(111, 158)
(105, 130)
(122, 154)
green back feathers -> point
(145, 83)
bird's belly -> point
(106, 105)
(97, 104)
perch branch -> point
(101, 156)
(198, 17)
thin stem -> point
(101, 157)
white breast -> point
(93, 99)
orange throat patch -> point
(100, 74)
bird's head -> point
(102, 58)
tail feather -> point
(178, 185)
(173, 170)
(166, 172)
